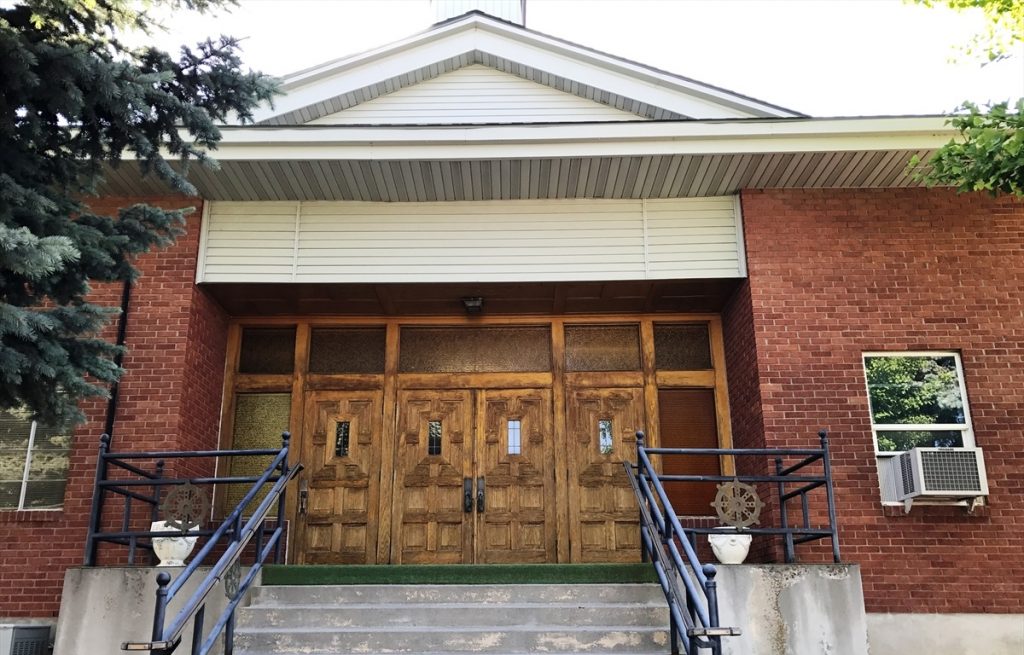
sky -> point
(819, 57)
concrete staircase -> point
(603, 619)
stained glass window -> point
(604, 436)
(602, 348)
(341, 439)
(514, 444)
(681, 347)
(347, 350)
(475, 350)
(434, 438)
(267, 350)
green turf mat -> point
(458, 574)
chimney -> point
(514, 11)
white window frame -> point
(24, 479)
(967, 427)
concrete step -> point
(626, 640)
(490, 619)
(388, 615)
(642, 593)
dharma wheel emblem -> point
(737, 504)
(185, 506)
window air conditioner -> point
(947, 473)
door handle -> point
(480, 494)
(467, 495)
(303, 496)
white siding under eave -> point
(475, 94)
(493, 241)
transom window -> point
(918, 399)
(33, 463)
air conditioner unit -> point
(946, 473)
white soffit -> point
(476, 38)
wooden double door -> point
(469, 476)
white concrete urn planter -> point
(172, 551)
(729, 547)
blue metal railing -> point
(689, 586)
(232, 536)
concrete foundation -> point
(946, 634)
(793, 609)
(103, 607)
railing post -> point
(639, 473)
(286, 438)
(154, 511)
(787, 539)
(711, 589)
(159, 614)
(91, 544)
(823, 434)
(197, 630)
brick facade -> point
(169, 399)
(835, 273)
(832, 274)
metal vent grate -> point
(30, 640)
(907, 472)
(950, 470)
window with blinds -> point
(33, 463)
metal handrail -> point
(167, 635)
(690, 586)
(693, 606)
(234, 534)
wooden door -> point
(515, 461)
(601, 429)
(342, 459)
(433, 458)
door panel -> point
(602, 509)
(687, 420)
(429, 525)
(514, 456)
(342, 456)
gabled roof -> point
(476, 38)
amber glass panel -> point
(682, 347)
(602, 348)
(687, 420)
(475, 350)
(267, 350)
(347, 350)
(260, 418)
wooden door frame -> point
(390, 381)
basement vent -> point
(30, 640)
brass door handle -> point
(480, 494)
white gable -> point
(477, 39)
(475, 94)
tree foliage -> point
(988, 155)
(74, 98)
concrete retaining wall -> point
(102, 607)
(792, 609)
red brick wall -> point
(169, 399)
(836, 273)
